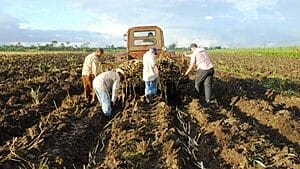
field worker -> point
(150, 73)
(105, 85)
(205, 70)
(89, 72)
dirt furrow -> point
(17, 116)
(242, 144)
(266, 114)
(63, 138)
(199, 149)
(141, 138)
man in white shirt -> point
(105, 85)
(205, 70)
(150, 73)
(89, 72)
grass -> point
(292, 52)
(280, 85)
(35, 95)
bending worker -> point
(105, 85)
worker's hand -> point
(156, 71)
(184, 53)
(113, 103)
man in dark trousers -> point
(205, 70)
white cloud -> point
(76, 4)
(107, 25)
(255, 9)
(205, 42)
(24, 26)
(186, 41)
(208, 18)
(225, 16)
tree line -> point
(54, 46)
(65, 46)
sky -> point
(226, 23)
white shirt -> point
(148, 67)
(90, 65)
(109, 82)
(201, 59)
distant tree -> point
(172, 46)
(32, 47)
(85, 46)
(54, 42)
(19, 44)
(62, 45)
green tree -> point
(172, 46)
(54, 42)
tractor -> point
(140, 38)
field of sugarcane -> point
(253, 121)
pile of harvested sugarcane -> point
(133, 78)
(170, 73)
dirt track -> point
(248, 126)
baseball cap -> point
(154, 50)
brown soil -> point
(247, 126)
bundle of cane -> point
(170, 73)
(133, 77)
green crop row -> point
(292, 52)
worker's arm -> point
(187, 55)
(94, 67)
(115, 89)
(155, 68)
(192, 63)
(189, 69)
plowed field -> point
(253, 122)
